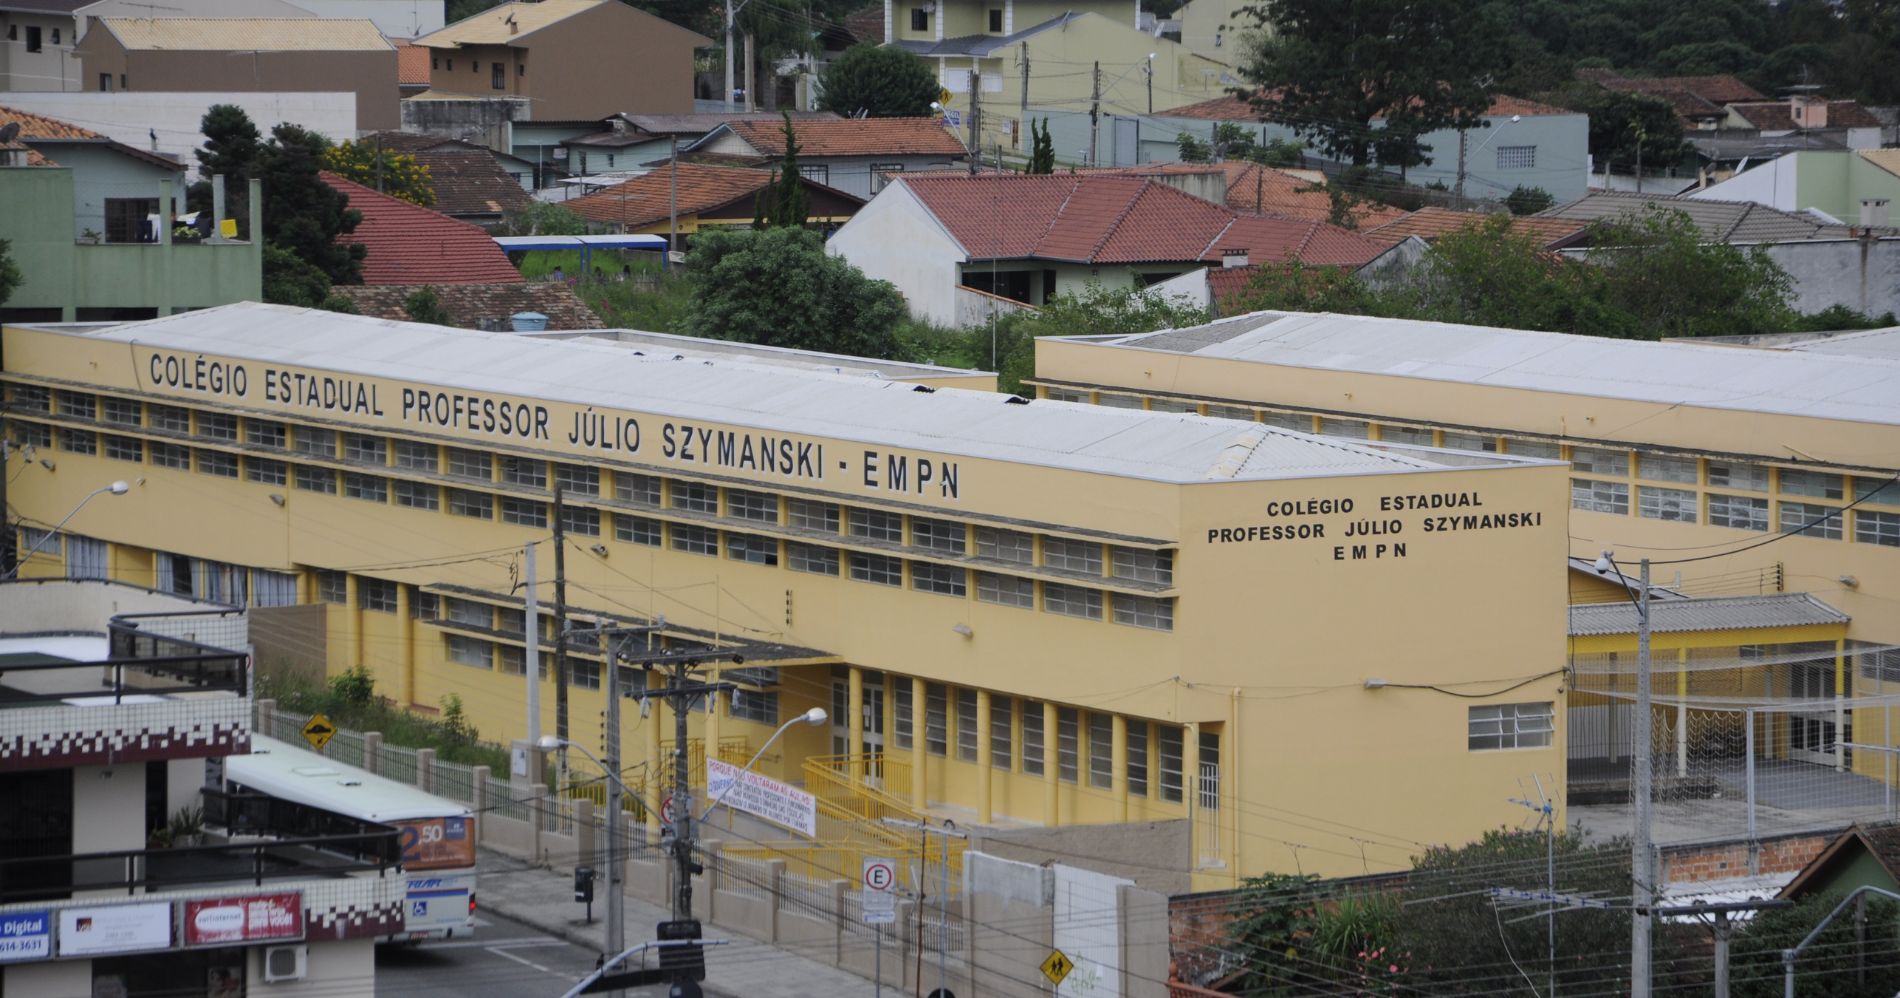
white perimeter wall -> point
(894, 239)
(1088, 931)
(131, 117)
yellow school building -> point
(1323, 654)
(1759, 478)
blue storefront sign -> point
(26, 935)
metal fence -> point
(398, 762)
(506, 801)
(454, 781)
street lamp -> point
(1460, 185)
(813, 717)
(116, 488)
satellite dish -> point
(9, 132)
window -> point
(966, 725)
(416, 495)
(1884, 491)
(1728, 475)
(1144, 611)
(369, 488)
(265, 471)
(1810, 483)
(811, 559)
(170, 455)
(416, 456)
(1510, 726)
(877, 525)
(936, 721)
(376, 594)
(637, 530)
(510, 661)
(919, 21)
(1600, 497)
(1072, 556)
(1658, 468)
(692, 496)
(946, 536)
(1138, 758)
(316, 479)
(807, 514)
(423, 606)
(1877, 528)
(1072, 601)
(945, 580)
(468, 613)
(479, 505)
(217, 426)
(125, 448)
(1471, 441)
(512, 622)
(1517, 157)
(1065, 395)
(1002, 738)
(211, 462)
(1169, 744)
(32, 434)
(1142, 566)
(760, 507)
(524, 471)
(474, 465)
(1032, 738)
(577, 479)
(363, 449)
(33, 398)
(642, 490)
(902, 718)
(1005, 590)
(498, 76)
(1533, 448)
(469, 651)
(1108, 400)
(1101, 751)
(817, 173)
(80, 405)
(273, 588)
(85, 558)
(333, 587)
(263, 433)
(877, 568)
(33, 38)
(580, 520)
(1012, 546)
(105, 86)
(1740, 512)
(1600, 462)
(79, 441)
(880, 174)
(757, 706)
(583, 674)
(1406, 435)
(121, 411)
(316, 443)
(55, 36)
(1814, 521)
(525, 512)
(694, 539)
(1353, 429)
(1298, 421)
(752, 548)
(996, 21)
(1677, 505)
(1068, 739)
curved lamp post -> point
(116, 488)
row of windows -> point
(1736, 511)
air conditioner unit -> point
(285, 963)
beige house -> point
(573, 59)
(246, 55)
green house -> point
(1862, 856)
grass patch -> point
(350, 701)
(536, 265)
(659, 308)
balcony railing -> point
(114, 679)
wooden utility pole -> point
(1095, 113)
(976, 114)
(560, 632)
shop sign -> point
(26, 935)
(124, 928)
(244, 919)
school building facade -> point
(1021, 613)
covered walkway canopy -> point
(586, 245)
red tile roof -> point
(1095, 219)
(412, 63)
(40, 128)
(468, 304)
(645, 199)
(413, 245)
(852, 137)
(1850, 114)
(1265, 190)
(1769, 116)
(1719, 89)
(1232, 108)
(1430, 223)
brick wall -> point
(1782, 854)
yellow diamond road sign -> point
(1057, 966)
(318, 731)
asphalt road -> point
(503, 958)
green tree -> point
(1300, 287)
(783, 205)
(779, 287)
(1833, 962)
(289, 280)
(424, 305)
(541, 218)
(1493, 274)
(1094, 309)
(1331, 68)
(1625, 127)
(1661, 269)
(1192, 149)
(9, 273)
(1042, 153)
(397, 174)
(878, 81)
(1528, 200)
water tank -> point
(529, 322)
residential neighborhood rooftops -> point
(37, 130)
(467, 305)
(1234, 108)
(1720, 221)
(649, 198)
(1720, 88)
(1431, 222)
(1267, 190)
(247, 34)
(981, 45)
(413, 245)
(412, 64)
(841, 137)
(511, 23)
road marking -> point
(472, 943)
(530, 963)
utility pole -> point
(1025, 101)
(531, 649)
(1151, 84)
(673, 197)
(1642, 883)
(730, 15)
(976, 115)
(944, 834)
(1459, 187)
(1095, 112)
(751, 99)
(560, 633)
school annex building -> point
(1019, 613)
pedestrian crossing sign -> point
(1057, 966)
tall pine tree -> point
(1042, 152)
(786, 206)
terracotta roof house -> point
(1430, 223)
(1267, 190)
(854, 156)
(1720, 90)
(478, 306)
(1720, 221)
(706, 196)
(412, 67)
(246, 55)
(115, 186)
(556, 53)
(414, 245)
(1028, 238)
(628, 141)
(473, 183)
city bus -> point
(437, 835)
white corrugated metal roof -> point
(289, 773)
(1713, 614)
(1865, 343)
(1800, 383)
(1160, 446)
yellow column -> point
(652, 724)
(1051, 764)
(1118, 764)
(854, 724)
(983, 767)
(919, 709)
(1191, 783)
(407, 622)
(1840, 704)
(1230, 787)
(353, 616)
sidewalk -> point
(745, 968)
